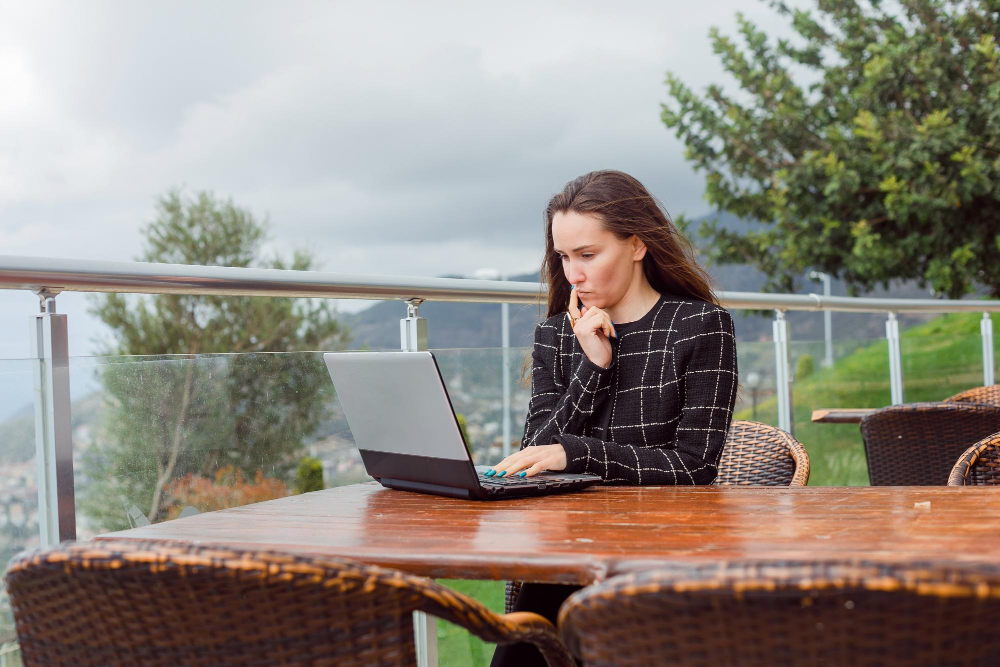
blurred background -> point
(850, 147)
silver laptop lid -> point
(396, 403)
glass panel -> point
(162, 437)
(18, 483)
(859, 378)
(936, 367)
(757, 398)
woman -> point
(638, 389)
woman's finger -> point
(508, 461)
(516, 461)
(599, 319)
(519, 464)
(536, 468)
(574, 305)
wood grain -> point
(589, 536)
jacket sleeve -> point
(710, 377)
(556, 408)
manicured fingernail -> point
(572, 287)
(501, 473)
(522, 474)
(491, 472)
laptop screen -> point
(396, 403)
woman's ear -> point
(638, 248)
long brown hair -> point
(624, 207)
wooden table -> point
(841, 415)
(589, 536)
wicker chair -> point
(159, 604)
(917, 444)
(761, 455)
(755, 455)
(989, 395)
(979, 465)
(782, 613)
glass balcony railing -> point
(18, 483)
(156, 438)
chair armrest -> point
(465, 612)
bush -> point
(805, 367)
(309, 476)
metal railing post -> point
(53, 425)
(895, 359)
(782, 371)
(505, 341)
(986, 329)
(413, 338)
(413, 328)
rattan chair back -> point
(917, 444)
(979, 465)
(780, 613)
(989, 395)
(762, 455)
(152, 604)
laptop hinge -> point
(424, 487)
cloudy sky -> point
(395, 138)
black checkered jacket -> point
(667, 397)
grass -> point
(455, 645)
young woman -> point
(640, 387)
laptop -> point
(404, 425)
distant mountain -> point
(474, 325)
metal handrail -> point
(55, 275)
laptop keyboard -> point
(522, 481)
(508, 481)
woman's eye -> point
(587, 255)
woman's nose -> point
(573, 274)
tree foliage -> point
(187, 405)
(867, 147)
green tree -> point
(172, 413)
(867, 147)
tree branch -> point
(175, 446)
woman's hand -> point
(530, 461)
(592, 327)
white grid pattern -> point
(670, 431)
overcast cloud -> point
(397, 138)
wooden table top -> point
(589, 536)
(841, 415)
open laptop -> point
(404, 425)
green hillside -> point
(940, 358)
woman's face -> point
(595, 260)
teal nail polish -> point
(501, 473)
(522, 474)
(572, 287)
(491, 472)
